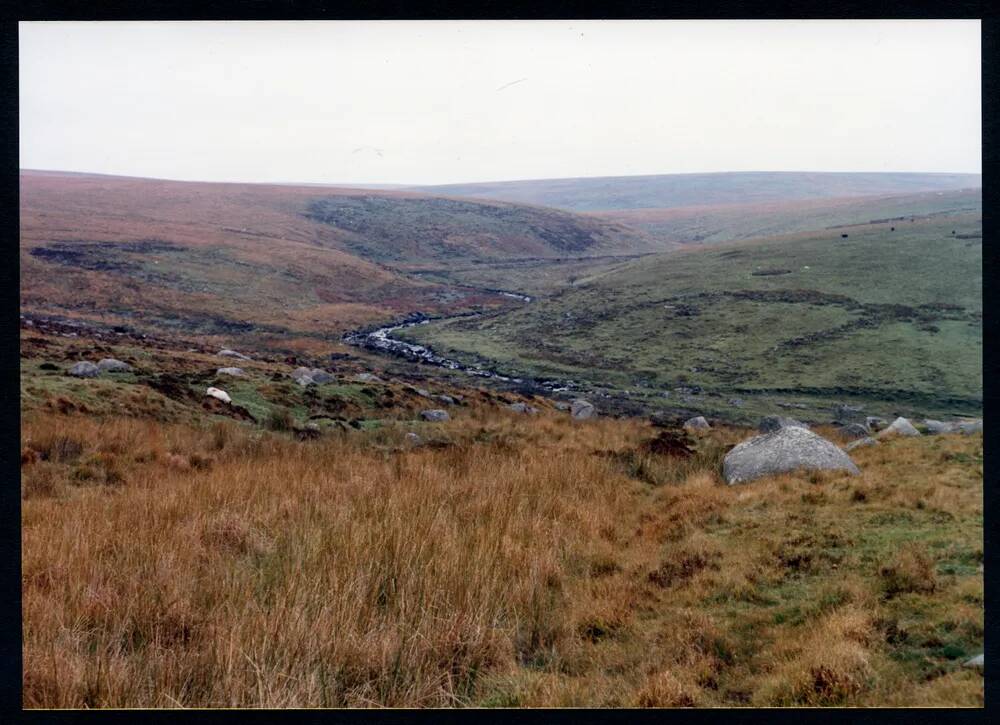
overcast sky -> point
(438, 102)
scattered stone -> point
(84, 370)
(937, 427)
(971, 426)
(235, 372)
(771, 423)
(413, 439)
(232, 353)
(435, 416)
(902, 427)
(783, 451)
(367, 378)
(582, 409)
(697, 423)
(861, 443)
(976, 662)
(848, 414)
(446, 399)
(854, 431)
(110, 365)
(522, 408)
(875, 423)
(218, 395)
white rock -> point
(218, 395)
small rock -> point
(771, 423)
(582, 409)
(560, 405)
(218, 395)
(110, 365)
(697, 423)
(446, 399)
(232, 353)
(84, 370)
(854, 431)
(976, 662)
(875, 423)
(423, 393)
(902, 427)
(937, 427)
(235, 372)
(413, 439)
(522, 408)
(367, 378)
(861, 443)
(435, 416)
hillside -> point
(685, 190)
(887, 319)
(282, 264)
(726, 222)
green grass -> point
(891, 319)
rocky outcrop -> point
(783, 451)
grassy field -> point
(519, 561)
(685, 190)
(887, 319)
(722, 223)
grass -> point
(517, 561)
(891, 320)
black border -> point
(10, 585)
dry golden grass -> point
(517, 563)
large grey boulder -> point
(446, 399)
(582, 409)
(861, 443)
(234, 372)
(310, 376)
(110, 365)
(696, 423)
(233, 353)
(899, 427)
(937, 427)
(771, 423)
(968, 427)
(84, 369)
(435, 416)
(784, 450)
(218, 395)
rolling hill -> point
(685, 190)
(271, 261)
(888, 319)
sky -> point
(427, 102)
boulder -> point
(110, 365)
(218, 395)
(232, 353)
(235, 372)
(697, 423)
(854, 431)
(84, 370)
(435, 416)
(937, 427)
(311, 376)
(413, 439)
(899, 427)
(861, 443)
(771, 423)
(446, 399)
(563, 406)
(782, 451)
(582, 409)
(968, 427)
(522, 408)
(367, 378)
(423, 393)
